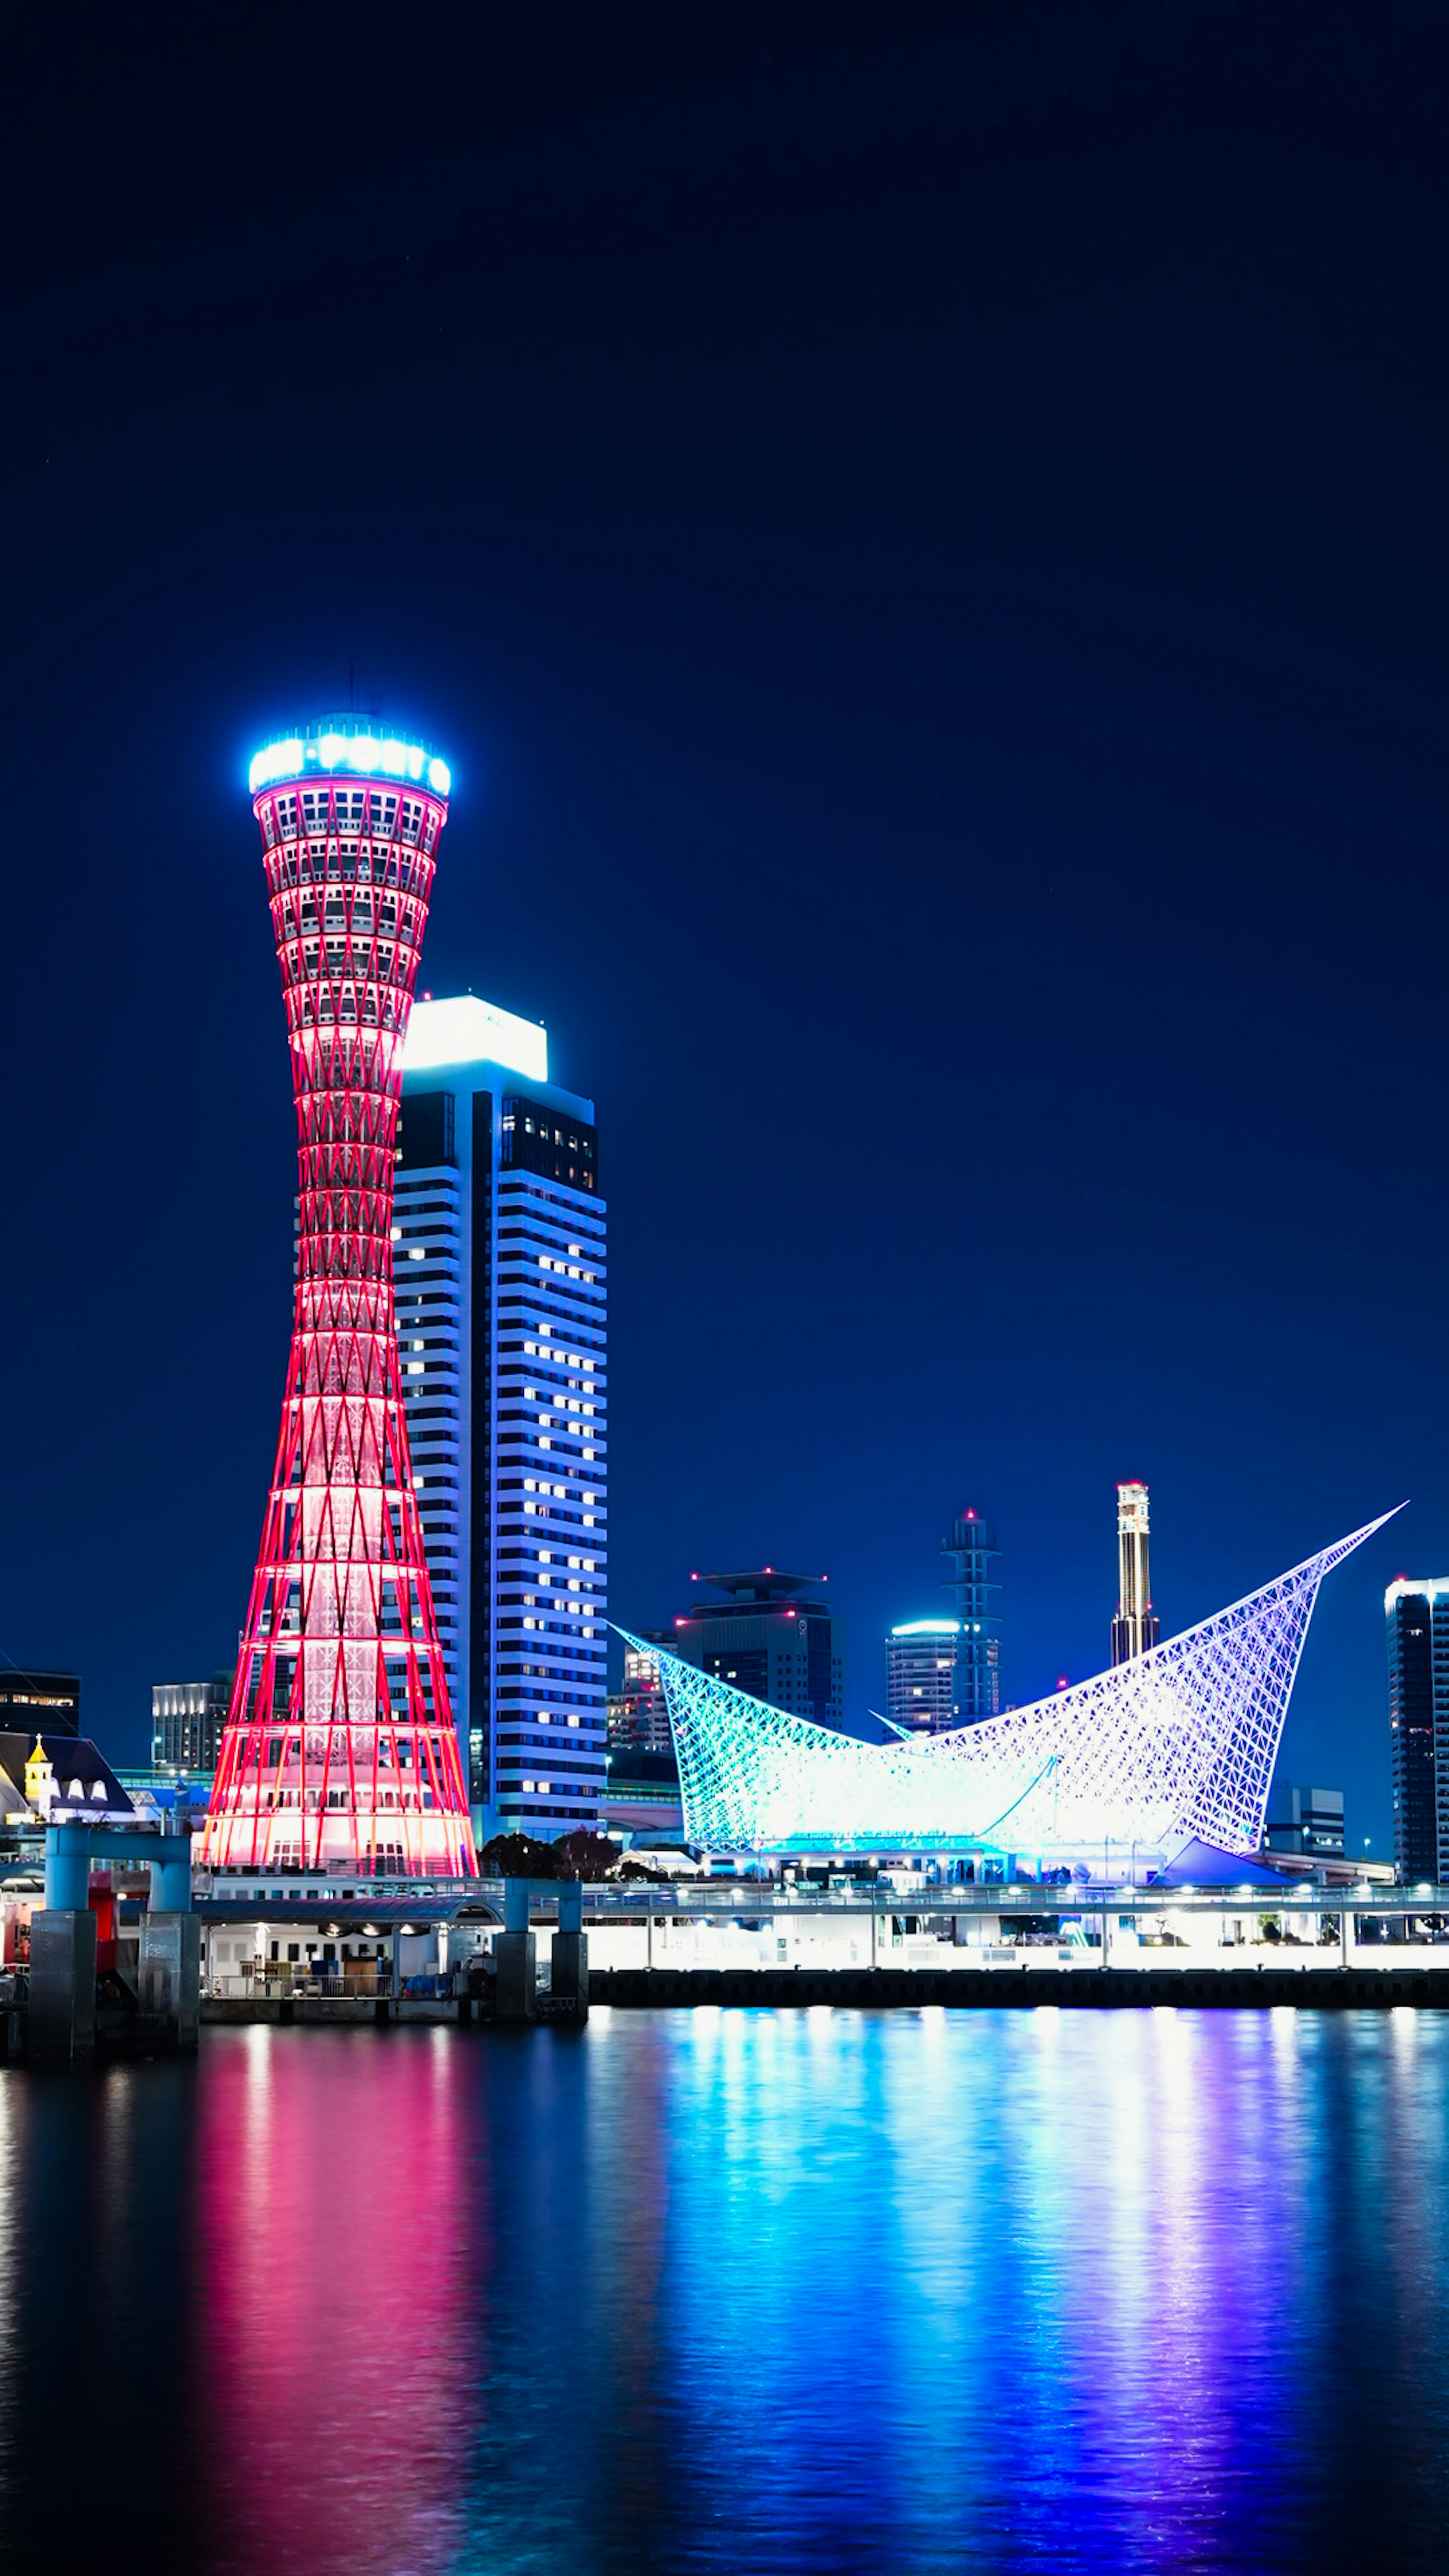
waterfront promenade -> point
(733, 1942)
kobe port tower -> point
(340, 1751)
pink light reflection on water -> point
(339, 2232)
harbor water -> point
(812, 2290)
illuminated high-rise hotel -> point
(339, 1751)
(500, 1243)
(1135, 1628)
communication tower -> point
(969, 1548)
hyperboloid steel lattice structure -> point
(340, 1751)
(1177, 1745)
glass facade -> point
(502, 1306)
(1417, 1616)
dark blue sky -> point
(922, 536)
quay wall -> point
(1314, 1989)
(1309, 1989)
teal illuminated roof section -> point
(357, 743)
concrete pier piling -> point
(62, 1984)
(63, 2018)
(569, 1959)
(516, 1954)
(169, 1978)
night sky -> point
(921, 534)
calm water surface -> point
(732, 2290)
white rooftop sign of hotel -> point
(466, 1030)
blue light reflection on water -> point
(706, 2290)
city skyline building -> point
(48, 1703)
(970, 1550)
(339, 1750)
(501, 1240)
(772, 1636)
(1174, 1748)
(1416, 1619)
(639, 1714)
(921, 1671)
(188, 1720)
(1135, 1627)
(1310, 1824)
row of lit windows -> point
(522, 1220)
(537, 1193)
(300, 869)
(559, 1301)
(335, 903)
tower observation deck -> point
(340, 1751)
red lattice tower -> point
(340, 1751)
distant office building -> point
(1417, 1617)
(1135, 1627)
(639, 1716)
(772, 1636)
(921, 1669)
(970, 1550)
(46, 1703)
(187, 1719)
(500, 1285)
(1310, 1823)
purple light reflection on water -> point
(343, 2241)
(705, 2291)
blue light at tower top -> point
(347, 742)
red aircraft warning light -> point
(340, 1751)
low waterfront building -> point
(159, 1791)
(642, 1801)
(1310, 1823)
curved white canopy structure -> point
(1179, 1743)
